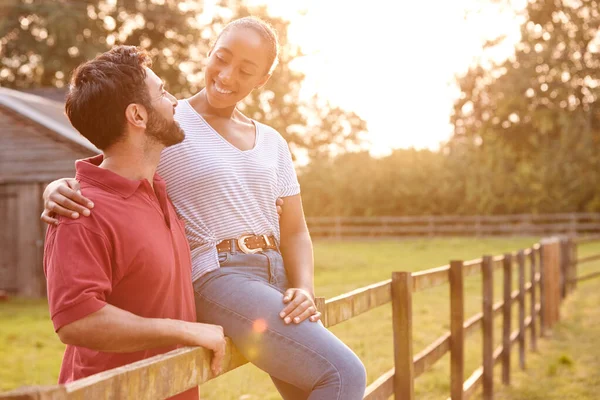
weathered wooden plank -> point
(472, 267)
(582, 260)
(473, 383)
(31, 281)
(457, 338)
(57, 392)
(498, 307)
(430, 278)
(402, 329)
(378, 229)
(587, 276)
(586, 239)
(351, 304)
(488, 328)
(9, 234)
(473, 324)
(157, 377)
(431, 354)
(382, 388)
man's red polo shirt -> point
(131, 253)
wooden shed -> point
(37, 146)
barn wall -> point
(30, 153)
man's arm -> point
(112, 329)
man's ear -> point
(262, 81)
(136, 115)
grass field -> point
(567, 363)
(32, 353)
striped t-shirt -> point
(222, 192)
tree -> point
(533, 121)
(42, 42)
(549, 87)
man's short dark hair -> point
(101, 89)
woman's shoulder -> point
(269, 132)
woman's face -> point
(237, 64)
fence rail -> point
(553, 275)
(572, 224)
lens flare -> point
(259, 326)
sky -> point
(394, 63)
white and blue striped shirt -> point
(222, 192)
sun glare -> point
(395, 65)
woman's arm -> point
(297, 251)
(63, 197)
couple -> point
(121, 283)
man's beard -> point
(163, 131)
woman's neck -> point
(203, 107)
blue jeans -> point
(305, 361)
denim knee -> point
(349, 374)
(354, 378)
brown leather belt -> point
(249, 244)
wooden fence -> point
(572, 224)
(552, 268)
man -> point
(119, 283)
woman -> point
(223, 180)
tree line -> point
(526, 130)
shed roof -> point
(48, 113)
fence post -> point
(542, 314)
(507, 266)
(571, 265)
(521, 263)
(573, 225)
(430, 226)
(402, 328)
(564, 268)
(320, 303)
(551, 281)
(488, 327)
(457, 318)
(534, 288)
(574, 266)
(338, 227)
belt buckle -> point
(242, 245)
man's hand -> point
(210, 337)
(300, 306)
(63, 197)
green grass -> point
(567, 363)
(32, 353)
